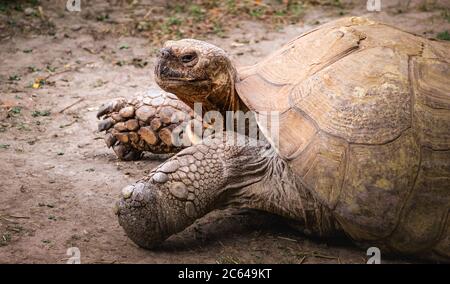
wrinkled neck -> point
(223, 96)
(280, 192)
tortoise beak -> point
(162, 71)
(165, 53)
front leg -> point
(186, 187)
(146, 123)
(215, 174)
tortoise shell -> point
(364, 119)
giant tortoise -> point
(363, 146)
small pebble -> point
(75, 28)
(29, 11)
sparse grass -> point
(296, 10)
(37, 113)
(14, 78)
(120, 63)
(231, 6)
(257, 12)
(197, 19)
(4, 146)
(218, 29)
(5, 4)
(102, 17)
(280, 13)
(23, 127)
(34, 2)
(5, 239)
(174, 21)
(197, 12)
(428, 6)
(139, 62)
(443, 35)
(335, 3)
(446, 14)
(51, 69)
(32, 69)
(9, 229)
(178, 8)
(14, 111)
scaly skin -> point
(215, 174)
(145, 123)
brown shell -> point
(365, 123)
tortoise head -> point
(196, 72)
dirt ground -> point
(58, 181)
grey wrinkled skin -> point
(210, 175)
(181, 190)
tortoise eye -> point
(188, 57)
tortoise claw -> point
(105, 124)
(104, 109)
(112, 106)
(110, 140)
(125, 153)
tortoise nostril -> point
(165, 52)
(164, 70)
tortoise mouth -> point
(173, 77)
(182, 80)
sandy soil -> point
(58, 181)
